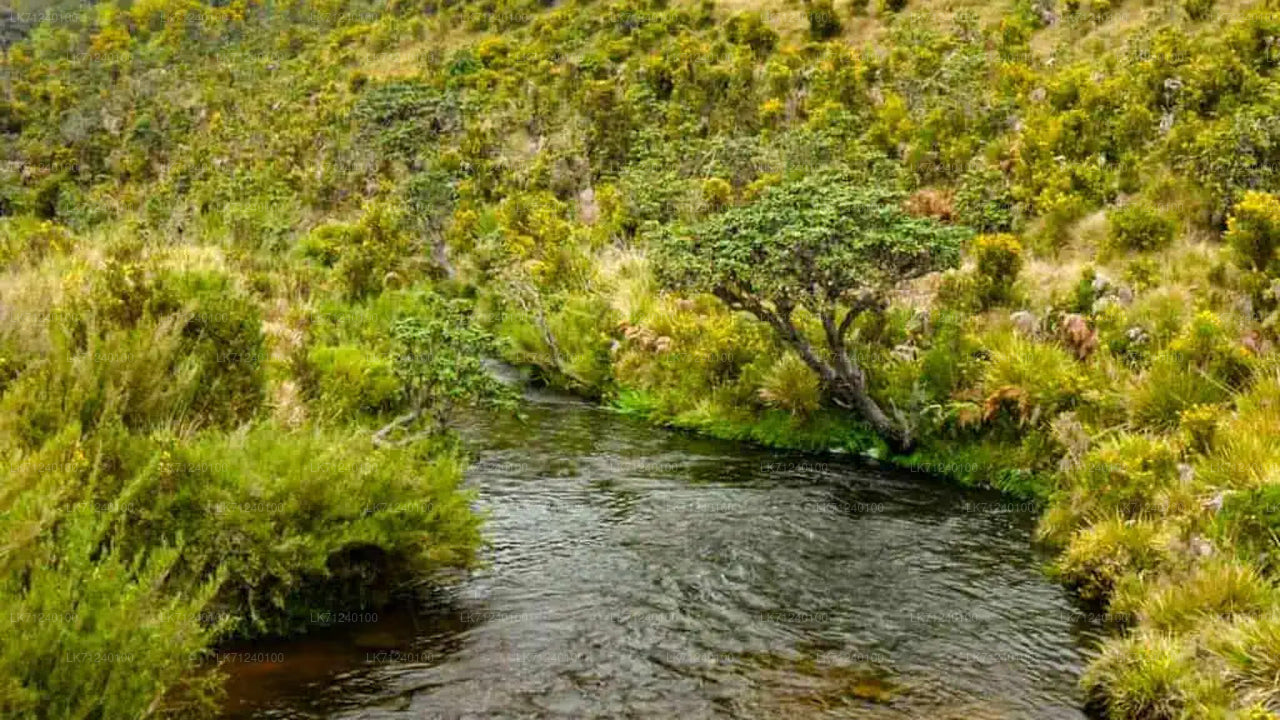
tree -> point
(431, 197)
(831, 244)
(439, 359)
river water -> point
(637, 572)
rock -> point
(905, 353)
(1186, 473)
(1124, 294)
(1137, 335)
(588, 209)
(1200, 547)
(1214, 504)
(1101, 283)
(1025, 322)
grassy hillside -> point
(237, 235)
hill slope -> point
(1105, 346)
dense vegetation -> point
(1034, 244)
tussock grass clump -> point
(1099, 556)
(1251, 649)
(792, 386)
(1154, 676)
(1216, 589)
(1131, 477)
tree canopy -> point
(834, 244)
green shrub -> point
(1027, 383)
(823, 21)
(999, 259)
(951, 360)
(222, 338)
(138, 375)
(1198, 10)
(984, 201)
(296, 521)
(93, 633)
(1244, 451)
(1251, 650)
(960, 291)
(893, 6)
(402, 116)
(1253, 231)
(26, 240)
(347, 380)
(1168, 388)
(365, 257)
(1206, 344)
(716, 194)
(1201, 366)
(1132, 477)
(1058, 216)
(1199, 425)
(1138, 227)
(1142, 273)
(750, 29)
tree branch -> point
(380, 437)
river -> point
(638, 572)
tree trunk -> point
(440, 255)
(842, 376)
(897, 435)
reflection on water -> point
(641, 573)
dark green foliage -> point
(1251, 520)
(402, 118)
(826, 237)
(1139, 227)
(1231, 155)
(1198, 10)
(984, 201)
(289, 522)
(347, 380)
(439, 358)
(223, 336)
(750, 29)
(430, 197)
(367, 256)
(823, 21)
(92, 632)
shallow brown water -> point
(635, 572)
